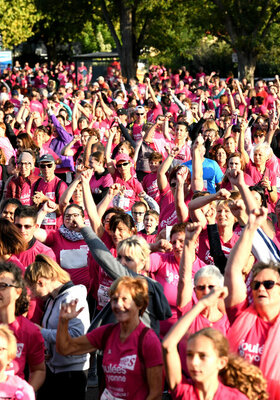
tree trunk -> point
(128, 54)
(246, 66)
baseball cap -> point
(122, 157)
(46, 158)
(140, 108)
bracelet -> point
(271, 190)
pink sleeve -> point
(62, 188)
(152, 353)
(235, 311)
(155, 262)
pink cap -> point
(122, 157)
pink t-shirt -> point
(104, 181)
(203, 250)
(247, 178)
(154, 113)
(187, 391)
(136, 132)
(28, 256)
(251, 346)
(16, 261)
(150, 186)
(126, 377)
(16, 388)
(132, 188)
(71, 256)
(30, 345)
(165, 269)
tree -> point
(135, 25)
(245, 25)
(17, 18)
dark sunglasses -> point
(43, 166)
(122, 165)
(173, 184)
(139, 114)
(26, 227)
(201, 288)
(255, 285)
(258, 135)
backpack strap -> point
(36, 184)
(140, 344)
(57, 191)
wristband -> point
(270, 190)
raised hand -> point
(212, 298)
(192, 232)
(223, 194)
(235, 177)
(50, 206)
(257, 217)
(86, 175)
(69, 311)
(182, 175)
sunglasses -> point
(201, 288)
(26, 227)
(259, 135)
(139, 114)
(255, 285)
(44, 166)
(122, 165)
(173, 184)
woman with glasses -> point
(255, 329)
(67, 243)
(30, 344)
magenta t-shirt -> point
(136, 132)
(71, 256)
(104, 181)
(125, 376)
(154, 113)
(30, 345)
(150, 186)
(28, 256)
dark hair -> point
(14, 201)
(10, 238)
(181, 227)
(124, 218)
(22, 303)
(76, 206)
(259, 189)
(99, 156)
(116, 210)
(26, 212)
(128, 144)
(155, 156)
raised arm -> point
(108, 150)
(66, 196)
(241, 142)
(180, 205)
(152, 93)
(185, 286)
(197, 169)
(171, 340)
(67, 150)
(161, 173)
(239, 256)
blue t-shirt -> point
(212, 173)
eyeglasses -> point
(69, 216)
(4, 285)
(122, 165)
(258, 135)
(140, 114)
(137, 213)
(201, 288)
(255, 285)
(24, 164)
(44, 166)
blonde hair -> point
(135, 247)
(45, 267)
(6, 332)
(138, 288)
(238, 373)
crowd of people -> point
(139, 231)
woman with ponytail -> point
(214, 374)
